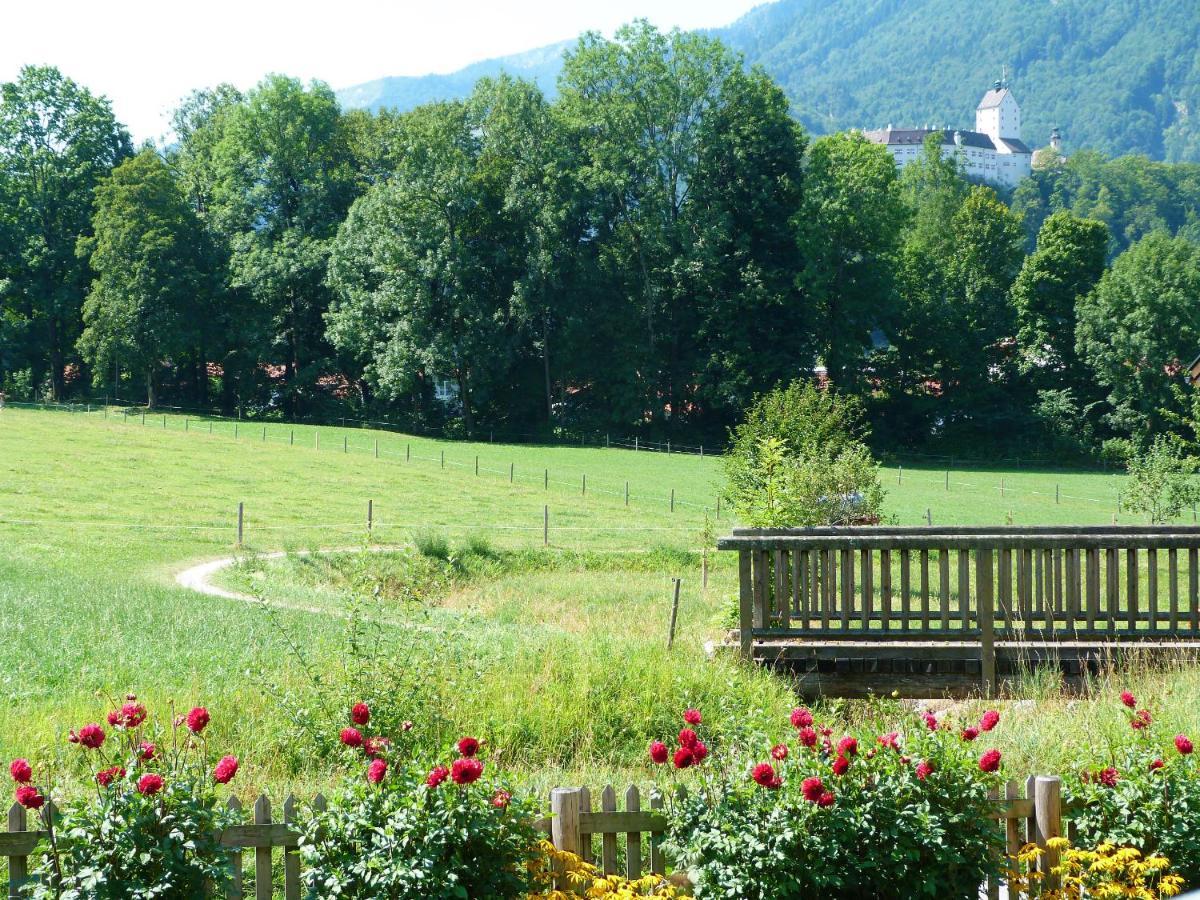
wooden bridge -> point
(933, 611)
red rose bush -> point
(409, 829)
(151, 828)
(822, 814)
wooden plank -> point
(1112, 581)
(1093, 587)
(1013, 833)
(797, 591)
(1073, 586)
(262, 855)
(1004, 587)
(1173, 588)
(1039, 584)
(633, 838)
(235, 857)
(868, 585)
(746, 604)
(924, 590)
(608, 839)
(815, 585)
(1194, 587)
(993, 883)
(778, 605)
(1059, 605)
(885, 589)
(1051, 622)
(847, 579)
(905, 589)
(761, 600)
(782, 594)
(944, 586)
(1028, 585)
(985, 604)
(1152, 587)
(259, 836)
(1131, 586)
(964, 588)
(658, 865)
(291, 859)
(585, 838)
(826, 587)
(18, 863)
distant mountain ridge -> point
(1121, 76)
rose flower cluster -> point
(691, 752)
(132, 749)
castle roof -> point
(895, 136)
(994, 98)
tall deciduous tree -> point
(1139, 327)
(57, 141)
(151, 287)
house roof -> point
(1016, 146)
(994, 98)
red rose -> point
(779, 752)
(376, 747)
(351, 737)
(687, 738)
(802, 717)
(930, 720)
(105, 777)
(890, 740)
(29, 797)
(990, 720)
(969, 733)
(990, 761)
(1182, 744)
(764, 775)
(684, 757)
(807, 736)
(376, 771)
(91, 736)
(699, 752)
(146, 751)
(659, 752)
(812, 789)
(841, 765)
(847, 746)
(826, 799)
(1157, 764)
(468, 746)
(360, 714)
(225, 770)
(150, 784)
(1128, 699)
(924, 769)
(21, 771)
(1108, 777)
(436, 776)
(501, 799)
(197, 720)
(466, 770)
(691, 716)
(1140, 720)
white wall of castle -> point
(1002, 168)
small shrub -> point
(152, 829)
(1162, 481)
(894, 816)
(582, 880)
(433, 544)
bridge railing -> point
(1049, 584)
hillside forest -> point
(643, 254)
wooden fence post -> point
(564, 826)
(545, 526)
(18, 866)
(241, 521)
(674, 615)
(1047, 808)
(370, 516)
(745, 605)
(985, 611)
(262, 855)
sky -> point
(146, 56)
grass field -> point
(556, 655)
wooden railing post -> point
(18, 866)
(745, 605)
(1047, 820)
(984, 606)
(564, 808)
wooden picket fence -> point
(617, 840)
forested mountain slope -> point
(1120, 76)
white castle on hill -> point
(992, 152)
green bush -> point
(877, 825)
(1145, 794)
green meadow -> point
(556, 655)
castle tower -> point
(998, 115)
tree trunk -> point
(57, 386)
(151, 395)
(465, 398)
(546, 371)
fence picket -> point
(235, 858)
(608, 840)
(262, 855)
(291, 859)
(633, 839)
(18, 866)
